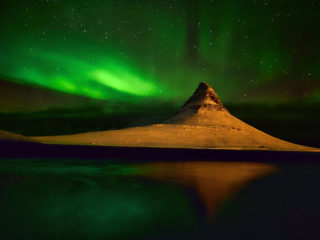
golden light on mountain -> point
(202, 122)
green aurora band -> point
(161, 49)
(92, 78)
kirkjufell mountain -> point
(202, 122)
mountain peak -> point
(203, 108)
(204, 97)
(203, 85)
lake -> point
(114, 199)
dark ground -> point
(140, 154)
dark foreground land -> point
(37, 150)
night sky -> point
(128, 50)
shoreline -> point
(13, 150)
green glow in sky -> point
(99, 77)
(162, 49)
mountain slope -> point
(12, 137)
(202, 122)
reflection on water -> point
(214, 181)
(74, 199)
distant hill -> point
(12, 137)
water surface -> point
(111, 199)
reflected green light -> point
(94, 202)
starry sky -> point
(129, 50)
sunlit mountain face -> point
(131, 50)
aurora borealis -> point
(103, 134)
(119, 50)
(86, 78)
